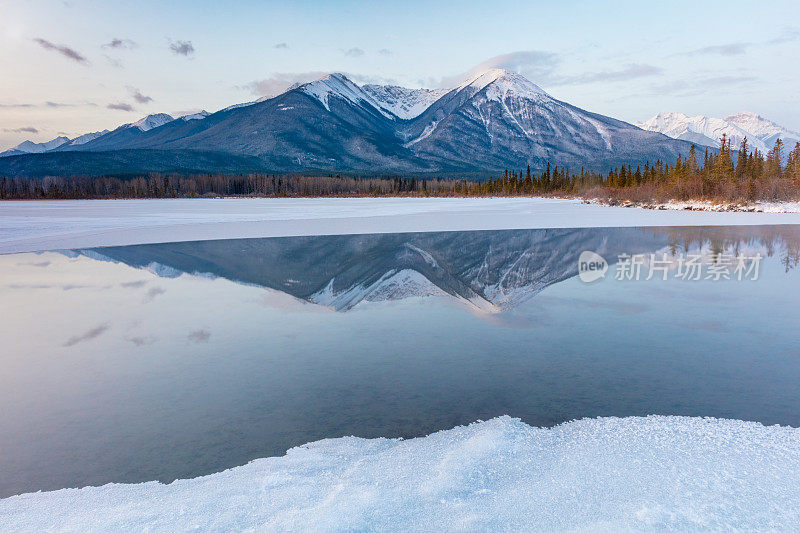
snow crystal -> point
(651, 473)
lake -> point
(166, 361)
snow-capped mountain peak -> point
(151, 121)
(195, 116)
(701, 130)
(31, 147)
(763, 129)
(501, 83)
(86, 137)
(339, 85)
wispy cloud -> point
(24, 129)
(696, 85)
(182, 48)
(281, 46)
(385, 52)
(121, 44)
(17, 106)
(353, 52)
(120, 106)
(788, 35)
(152, 292)
(138, 96)
(91, 334)
(536, 65)
(629, 72)
(281, 81)
(730, 49)
(64, 50)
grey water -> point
(166, 361)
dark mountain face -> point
(495, 121)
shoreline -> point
(625, 472)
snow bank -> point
(705, 205)
(52, 225)
(597, 474)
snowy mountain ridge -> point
(492, 120)
(706, 131)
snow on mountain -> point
(30, 147)
(339, 85)
(151, 121)
(403, 102)
(503, 83)
(762, 129)
(86, 137)
(195, 116)
(496, 119)
(700, 129)
(706, 131)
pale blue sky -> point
(627, 59)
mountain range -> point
(706, 131)
(495, 120)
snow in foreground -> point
(607, 473)
(53, 225)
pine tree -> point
(775, 160)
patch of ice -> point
(603, 474)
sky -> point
(76, 66)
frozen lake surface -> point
(170, 361)
(50, 225)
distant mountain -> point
(30, 147)
(493, 121)
(764, 130)
(59, 143)
(706, 131)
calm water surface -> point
(175, 360)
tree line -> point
(752, 176)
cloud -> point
(281, 46)
(789, 34)
(152, 292)
(141, 341)
(201, 335)
(629, 72)
(58, 104)
(121, 44)
(133, 284)
(113, 61)
(182, 48)
(91, 334)
(731, 49)
(138, 96)
(696, 85)
(120, 106)
(65, 51)
(17, 106)
(281, 81)
(385, 52)
(536, 65)
(353, 52)
(25, 129)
